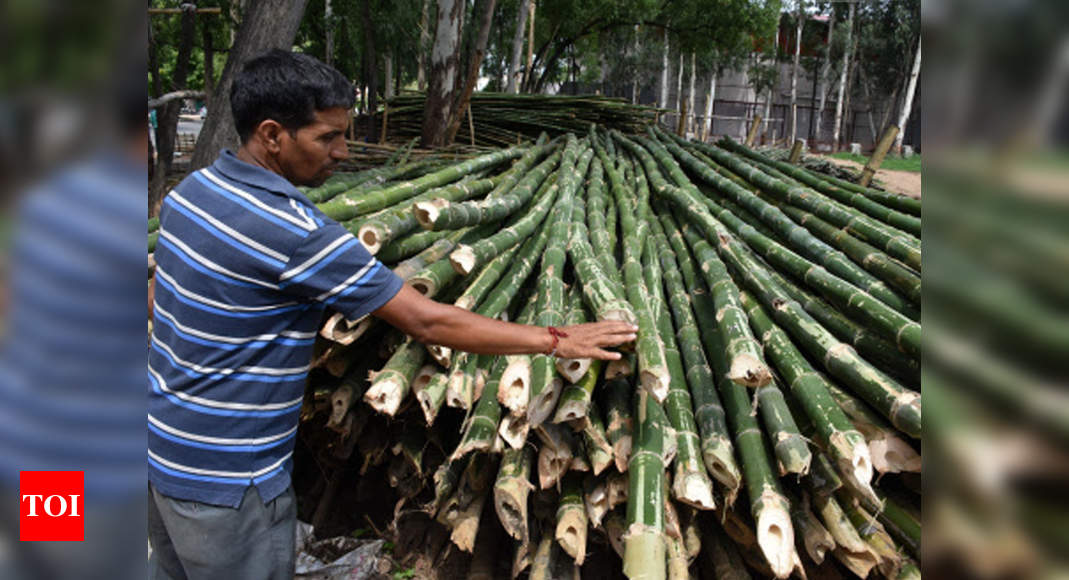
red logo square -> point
(51, 506)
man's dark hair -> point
(287, 87)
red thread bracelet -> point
(557, 334)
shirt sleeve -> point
(333, 267)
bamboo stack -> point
(772, 381)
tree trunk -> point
(634, 80)
(267, 24)
(710, 101)
(824, 70)
(690, 95)
(794, 70)
(444, 59)
(209, 55)
(515, 74)
(849, 116)
(424, 40)
(842, 79)
(868, 100)
(473, 71)
(907, 102)
(371, 64)
(528, 72)
(663, 101)
(679, 85)
(167, 116)
(387, 60)
(328, 25)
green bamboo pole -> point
(619, 426)
(411, 246)
(481, 428)
(466, 258)
(900, 405)
(598, 450)
(346, 206)
(601, 291)
(652, 367)
(811, 390)
(889, 452)
(399, 220)
(858, 201)
(690, 482)
(899, 244)
(717, 451)
(575, 400)
(511, 489)
(644, 545)
(747, 366)
(550, 282)
(599, 212)
(571, 529)
(391, 384)
(795, 236)
(828, 184)
(435, 215)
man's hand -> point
(588, 340)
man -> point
(245, 266)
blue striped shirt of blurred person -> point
(246, 265)
(71, 365)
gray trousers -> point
(200, 541)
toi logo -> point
(51, 506)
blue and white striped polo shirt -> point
(245, 267)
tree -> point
(907, 102)
(267, 24)
(842, 78)
(444, 61)
(794, 69)
(824, 69)
(473, 71)
(517, 47)
(167, 124)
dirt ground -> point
(904, 182)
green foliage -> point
(404, 574)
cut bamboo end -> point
(718, 459)
(426, 213)
(552, 466)
(572, 369)
(385, 394)
(514, 429)
(514, 390)
(749, 371)
(458, 394)
(510, 504)
(655, 382)
(424, 286)
(596, 502)
(463, 259)
(614, 529)
(443, 355)
(541, 407)
(775, 533)
(645, 555)
(340, 401)
(860, 563)
(693, 489)
(371, 237)
(571, 534)
(344, 332)
(467, 526)
(621, 451)
(618, 368)
(893, 455)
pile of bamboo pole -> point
(503, 119)
(775, 374)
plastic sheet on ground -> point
(337, 558)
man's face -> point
(309, 155)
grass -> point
(890, 162)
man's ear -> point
(270, 132)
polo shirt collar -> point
(229, 165)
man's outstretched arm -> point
(432, 322)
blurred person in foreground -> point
(246, 265)
(72, 357)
